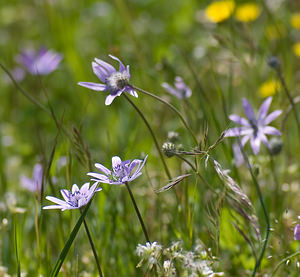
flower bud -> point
(273, 62)
(169, 149)
(276, 146)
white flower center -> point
(117, 81)
(75, 197)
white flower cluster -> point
(188, 263)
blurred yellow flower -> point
(295, 20)
(296, 49)
(219, 11)
(247, 12)
(269, 88)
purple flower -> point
(121, 172)
(254, 128)
(181, 90)
(116, 82)
(34, 184)
(73, 199)
(41, 63)
(297, 232)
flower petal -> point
(93, 86)
(103, 168)
(116, 161)
(238, 131)
(55, 200)
(239, 120)
(271, 117)
(263, 110)
(122, 67)
(65, 194)
(100, 72)
(98, 176)
(271, 131)
(248, 110)
(75, 188)
(255, 144)
(109, 99)
(52, 207)
(85, 188)
(171, 90)
(106, 66)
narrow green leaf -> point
(69, 242)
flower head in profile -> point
(116, 82)
(254, 129)
(35, 183)
(219, 11)
(41, 63)
(74, 199)
(181, 90)
(121, 172)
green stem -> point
(258, 262)
(152, 134)
(137, 212)
(286, 90)
(172, 108)
(283, 261)
(93, 247)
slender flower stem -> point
(286, 90)
(138, 212)
(283, 261)
(93, 247)
(152, 134)
(261, 255)
(172, 108)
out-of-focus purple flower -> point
(34, 184)
(121, 172)
(115, 82)
(41, 63)
(254, 128)
(297, 232)
(74, 199)
(18, 73)
(181, 90)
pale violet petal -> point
(248, 110)
(98, 176)
(100, 72)
(106, 66)
(75, 188)
(239, 120)
(85, 188)
(93, 86)
(55, 200)
(103, 168)
(271, 131)
(116, 161)
(271, 117)
(109, 99)
(255, 144)
(263, 110)
(65, 194)
(122, 67)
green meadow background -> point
(221, 62)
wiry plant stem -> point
(93, 247)
(152, 134)
(172, 108)
(137, 212)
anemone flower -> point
(254, 128)
(121, 172)
(181, 90)
(115, 82)
(74, 199)
(35, 183)
(41, 63)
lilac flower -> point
(122, 171)
(34, 184)
(41, 63)
(116, 82)
(297, 232)
(73, 199)
(254, 128)
(181, 90)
